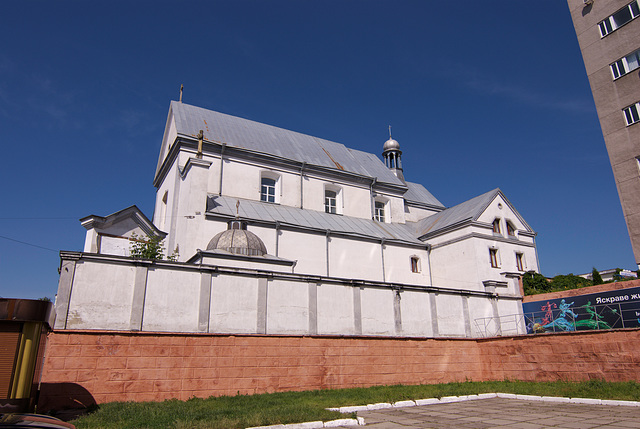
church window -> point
(511, 230)
(268, 190)
(496, 226)
(163, 210)
(379, 211)
(330, 198)
(520, 261)
(620, 18)
(493, 256)
(415, 264)
(631, 114)
(333, 199)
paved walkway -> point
(503, 413)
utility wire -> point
(28, 244)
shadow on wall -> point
(63, 396)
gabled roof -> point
(243, 133)
(309, 219)
(467, 211)
(419, 194)
(132, 212)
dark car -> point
(32, 421)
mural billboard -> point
(604, 310)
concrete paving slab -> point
(500, 412)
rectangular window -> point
(625, 65)
(268, 190)
(511, 230)
(330, 198)
(632, 114)
(415, 264)
(620, 18)
(496, 226)
(379, 213)
(519, 264)
(493, 256)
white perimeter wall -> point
(114, 293)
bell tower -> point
(391, 154)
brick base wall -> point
(82, 368)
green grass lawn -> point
(294, 407)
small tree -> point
(596, 278)
(146, 248)
(533, 283)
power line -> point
(28, 244)
(37, 218)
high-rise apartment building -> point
(609, 36)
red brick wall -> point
(582, 291)
(85, 367)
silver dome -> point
(238, 240)
(391, 144)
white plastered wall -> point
(377, 311)
(335, 313)
(171, 301)
(416, 314)
(287, 307)
(234, 304)
(450, 315)
(101, 296)
(355, 259)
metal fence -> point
(513, 324)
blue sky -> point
(480, 95)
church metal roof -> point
(469, 210)
(310, 219)
(243, 133)
(419, 193)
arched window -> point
(380, 211)
(493, 257)
(333, 199)
(269, 187)
(415, 264)
(496, 226)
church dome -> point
(391, 144)
(238, 240)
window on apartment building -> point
(631, 113)
(625, 65)
(620, 18)
(269, 188)
(519, 261)
(493, 257)
(415, 264)
(511, 230)
(496, 226)
(379, 214)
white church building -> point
(283, 233)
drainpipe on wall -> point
(382, 257)
(277, 236)
(301, 182)
(371, 197)
(221, 166)
(429, 262)
(328, 239)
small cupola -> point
(237, 240)
(392, 154)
